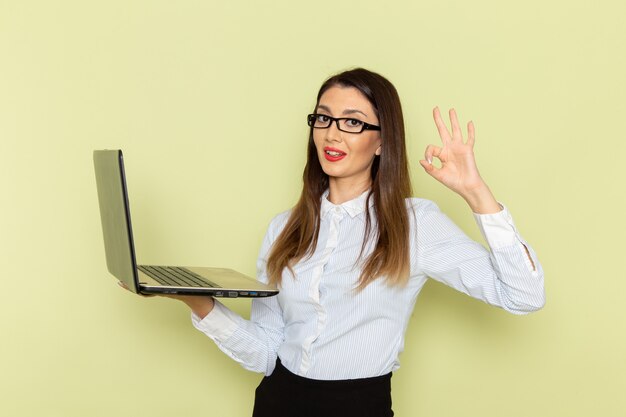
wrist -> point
(481, 200)
(201, 306)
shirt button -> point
(337, 210)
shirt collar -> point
(353, 207)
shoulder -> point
(429, 221)
(277, 224)
(420, 206)
(422, 211)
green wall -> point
(208, 100)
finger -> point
(428, 167)
(441, 126)
(431, 170)
(470, 133)
(430, 152)
(456, 129)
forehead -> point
(339, 98)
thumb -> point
(431, 170)
(428, 167)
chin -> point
(329, 169)
(331, 172)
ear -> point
(379, 150)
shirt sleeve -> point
(508, 275)
(252, 343)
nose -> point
(332, 133)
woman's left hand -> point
(458, 169)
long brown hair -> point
(390, 186)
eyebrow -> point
(345, 112)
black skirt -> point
(284, 394)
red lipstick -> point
(333, 154)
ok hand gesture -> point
(458, 169)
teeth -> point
(333, 153)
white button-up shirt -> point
(322, 328)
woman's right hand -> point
(201, 305)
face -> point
(343, 155)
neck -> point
(341, 190)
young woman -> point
(353, 254)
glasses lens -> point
(322, 121)
(319, 121)
(351, 125)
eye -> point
(323, 118)
(353, 123)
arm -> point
(508, 276)
(518, 276)
(253, 343)
(200, 306)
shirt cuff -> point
(498, 229)
(219, 324)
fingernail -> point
(430, 161)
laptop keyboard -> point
(175, 276)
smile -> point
(333, 155)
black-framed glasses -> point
(345, 124)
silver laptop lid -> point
(115, 216)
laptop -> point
(155, 279)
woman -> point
(351, 257)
